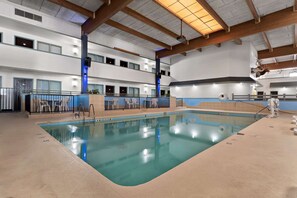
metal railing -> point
(8, 99)
(122, 103)
(264, 97)
(49, 103)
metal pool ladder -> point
(260, 111)
(81, 107)
(93, 109)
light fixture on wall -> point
(75, 50)
(74, 82)
(145, 89)
(145, 66)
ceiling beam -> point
(295, 6)
(281, 65)
(218, 44)
(74, 7)
(199, 49)
(136, 33)
(148, 21)
(209, 9)
(253, 11)
(278, 51)
(126, 51)
(295, 35)
(267, 43)
(103, 14)
(274, 20)
(238, 41)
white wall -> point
(213, 62)
(281, 90)
(67, 80)
(20, 58)
(211, 90)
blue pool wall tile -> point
(284, 105)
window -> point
(162, 72)
(154, 70)
(96, 58)
(162, 92)
(274, 94)
(95, 88)
(123, 91)
(168, 93)
(134, 66)
(0, 81)
(133, 91)
(109, 90)
(0, 37)
(48, 86)
(153, 92)
(110, 61)
(168, 73)
(123, 63)
(46, 47)
(23, 42)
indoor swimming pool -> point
(136, 150)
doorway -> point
(21, 86)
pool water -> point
(133, 152)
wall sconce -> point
(145, 89)
(74, 83)
(75, 50)
(145, 66)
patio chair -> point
(114, 104)
(43, 105)
(128, 103)
(134, 102)
(155, 102)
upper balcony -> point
(29, 59)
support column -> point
(84, 68)
(158, 78)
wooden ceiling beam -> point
(211, 11)
(218, 44)
(253, 10)
(136, 33)
(73, 7)
(295, 35)
(149, 22)
(103, 14)
(271, 21)
(281, 65)
(278, 51)
(267, 43)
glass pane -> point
(0, 81)
(100, 59)
(136, 91)
(56, 49)
(43, 47)
(42, 85)
(153, 92)
(55, 86)
(137, 67)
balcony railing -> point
(49, 103)
(132, 102)
(289, 97)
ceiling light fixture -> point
(192, 13)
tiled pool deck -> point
(261, 163)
